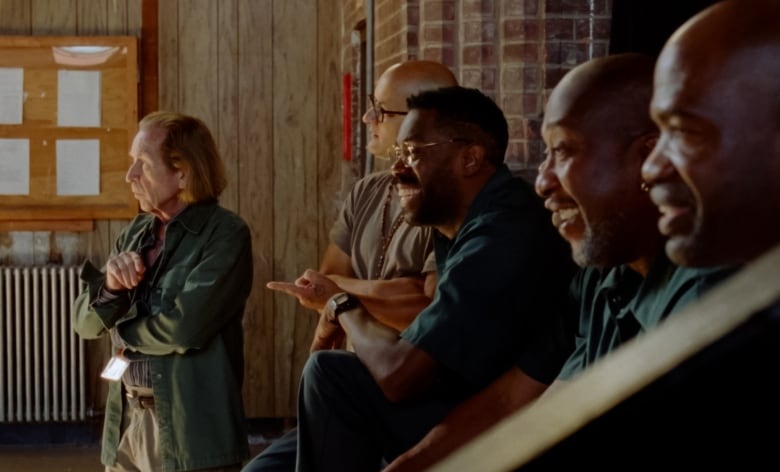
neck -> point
(642, 265)
(165, 215)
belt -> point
(139, 401)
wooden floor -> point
(59, 458)
(50, 459)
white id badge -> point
(115, 368)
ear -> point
(182, 179)
(473, 158)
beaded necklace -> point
(386, 239)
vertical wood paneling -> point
(255, 118)
(295, 181)
(264, 75)
(15, 17)
(198, 39)
(92, 17)
(53, 17)
(329, 112)
(227, 130)
(168, 51)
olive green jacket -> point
(193, 335)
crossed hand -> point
(124, 271)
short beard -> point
(599, 245)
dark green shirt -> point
(502, 283)
(616, 304)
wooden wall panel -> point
(227, 127)
(264, 75)
(69, 17)
(256, 182)
(15, 17)
(296, 193)
(168, 53)
(329, 113)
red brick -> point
(478, 31)
(601, 27)
(521, 7)
(559, 29)
(532, 78)
(444, 33)
(438, 10)
(479, 54)
(566, 7)
(516, 127)
(573, 53)
(512, 78)
(512, 103)
(445, 55)
(531, 103)
(521, 29)
(526, 52)
(477, 8)
(483, 78)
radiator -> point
(42, 365)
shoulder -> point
(696, 278)
(373, 181)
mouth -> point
(676, 207)
(406, 193)
(565, 219)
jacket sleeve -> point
(92, 321)
(213, 294)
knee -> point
(328, 368)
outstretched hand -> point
(312, 289)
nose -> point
(546, 181)
(369, 116)
(399, 167)
(657, 166)
(132, 172)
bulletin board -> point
(68, 115)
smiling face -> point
(590, 178)
(714, 171)
(425, 188)
(154, 185)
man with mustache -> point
(598, 133)
(373, 253)
(502, 277)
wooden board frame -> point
(41, 57)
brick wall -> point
(513, 50)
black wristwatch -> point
(340, 303)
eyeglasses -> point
(409, 153)
(380, 112)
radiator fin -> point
(42, 365)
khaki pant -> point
(139, 447)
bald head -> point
(394, 86)
(412, 77)
(717, 101)
(593, 95)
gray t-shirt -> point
(357, 231)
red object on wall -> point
(346, 138)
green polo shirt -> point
(502, 284)
(617, 304)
